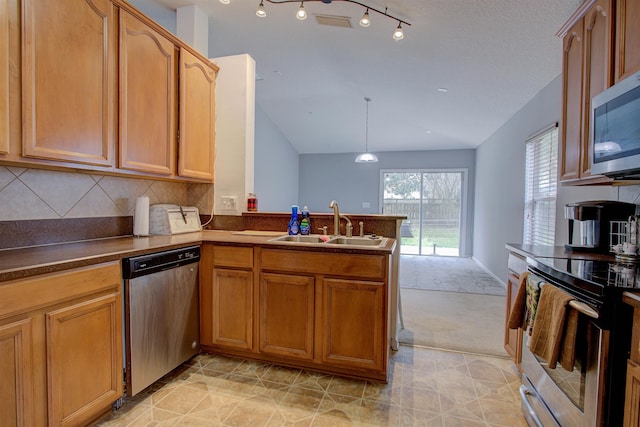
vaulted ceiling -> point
(491, 57)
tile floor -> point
(427, 387)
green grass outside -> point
(442, 237)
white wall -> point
(276, 167)
(235, 133)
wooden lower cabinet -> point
(517, 265)
(632, 395)
(316, 310)
(227, 297)
(84, 359)
(61, 347)
(353, 323)
(287, 315)
(232, 309)
(512, 337)
(17, 394)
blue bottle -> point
(294, 225)
(305, 222)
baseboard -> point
(489, 272)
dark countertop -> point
(538, 251)
(29, 261)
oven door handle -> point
(524, 394)
(584, 309)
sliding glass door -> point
(433, 202)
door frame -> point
(462, 243)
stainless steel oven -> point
(592, 394)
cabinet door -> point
(287, 315)
(628, 38)
(230, 309)
(571, 141)
(4, 76)
(197, 117)
(147, 98)
(512, 337)
(84, 359)
(632, 396)
(17, 399)
(598, 39)
(353, 321)
(68, 80)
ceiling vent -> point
(334, 21)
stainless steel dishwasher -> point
(161, 314)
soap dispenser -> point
(294, 225)
(305, 222)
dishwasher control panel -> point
(150, 263)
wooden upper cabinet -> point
(587, 71)
(148, 78)
(571, 140)
(4, 76)
(627, 58)
(598, 73)
(197, 117)
(68, 79)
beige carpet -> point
(453, 321)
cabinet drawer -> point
(233, 256)
(23, 295)
(517, 264)
(341, 264)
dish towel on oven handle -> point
(523, 311)
(555, 326)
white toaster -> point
(167, 219)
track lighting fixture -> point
(301, 14)
(365, 21)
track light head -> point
(261, 13)
(365, 21)
(398, 34)
(301, 14)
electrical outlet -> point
(366, 205)
(229, 202)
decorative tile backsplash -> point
(43, 194)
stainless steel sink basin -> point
(298, 239)
(356, 241)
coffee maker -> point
(594, 223)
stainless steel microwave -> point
(615, 130)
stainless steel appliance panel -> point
(162, 324)
(574, 398)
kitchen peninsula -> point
(318, 306)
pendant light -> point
(366, 157)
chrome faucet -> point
(336, 217)
(336, 220)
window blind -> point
(541, 187)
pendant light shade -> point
(367, 157)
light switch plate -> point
(366, 205)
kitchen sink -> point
(357, 241)
(298, 239)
